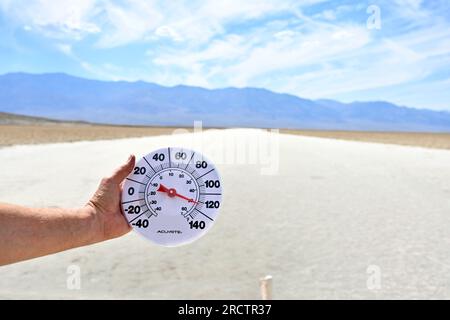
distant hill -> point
(64, 97)
(9, 118)
(19, 119)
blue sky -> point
(397, 51)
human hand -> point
(104, 206)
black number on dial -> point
(159, 157)
(212, 204)
(197, 224)
(212, 183)
(141, 223)
(140, 170)
(133, 209)
(201, 164)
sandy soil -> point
(39, 132)
(426, 140)
(50, 133)
(334, 212)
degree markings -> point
(206, 173)
(170, 162)
(139, 215)
(142, 206)
(204, 214)
(133, 201)
(149, 165)
(169, 169)
(136, 181)
(192, 156)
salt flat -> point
(333, 215)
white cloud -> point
(331, 81)
(65, 48)
(55, 19)
(119, 23)
(229, 48)
(197, 22)
(223, 10)
(413, 4)
(386, 63)
(241, 60)
(168, 32)
(133, 21)
(328, 15)
(270, 43)
(302, 50)
(319, 59)
(334, 13)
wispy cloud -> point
(313, 48)
(54, 19)
(129, 22)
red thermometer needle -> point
(173, 193)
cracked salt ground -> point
(374, 205)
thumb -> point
(123, 171)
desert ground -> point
(420, 139)
(51, 133)
(18, 129)
(327, 218)
(71, 132)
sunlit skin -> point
(27, 233)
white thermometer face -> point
(172, 197)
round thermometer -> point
(172, 196)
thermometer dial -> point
(172, 196)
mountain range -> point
(64, 97)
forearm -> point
(27, 233)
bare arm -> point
(27, 233)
